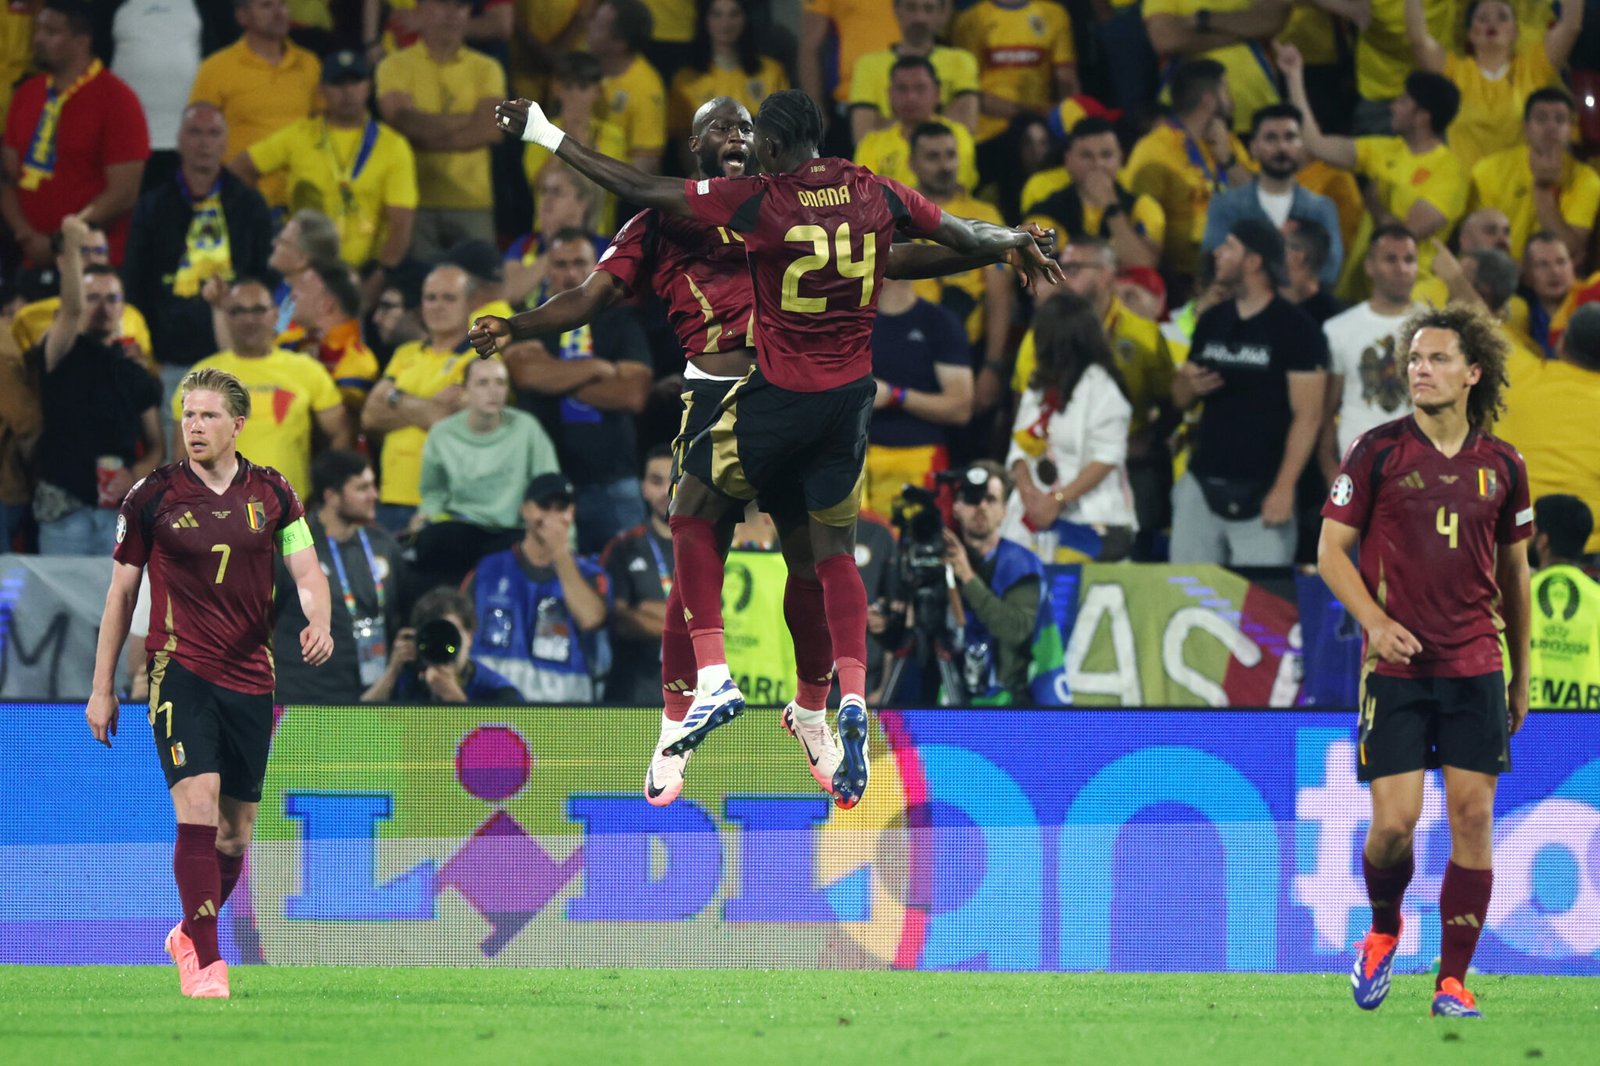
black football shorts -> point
(1422, 723)
(203, 728)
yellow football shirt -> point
(417, 369)
(447, 180)
(1142, 355)
(1180, 174)
(671, 20)
(1340, 187)
(286, 390)
(604, 138)
(1490, 119)
(1404, 179)
(258, 98)
(341, 174)
(861, 26)
(1383, 55)
(1018, 48)
(970, 283)
(1504, 180)
(1147, 216)
(1251, 79)
(636, 103)
(956, 68)
(887, 152)
(1549, 418)
(16, 52)
(691, 88)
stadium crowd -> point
(1250, 197)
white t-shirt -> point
(158, 54)
(1275, 204)
(1361, 349)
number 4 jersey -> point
(818, 241)
(210, 562)
(1429, 527)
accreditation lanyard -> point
(344, 577)
(662, 570)
(347, 175)
(39, 165)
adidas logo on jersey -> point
(1414, 480)
(188, 521)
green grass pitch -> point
(130, 1015)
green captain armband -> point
(293, 537)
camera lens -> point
(438, 642)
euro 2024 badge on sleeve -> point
(1342, 491)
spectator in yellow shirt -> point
(1187, 158)
(347, 165)
(421, 385)
(1495, 76)
(722, 61)
(1414, 178)
(635, 97)
(914, 99)
(1096, 204)
(262, 82)
(296, 407)
(578, 97)
(1230, 32)
(441, 95)
(1538, 184)
(921, 23)
(1026, 58)
(834, 34)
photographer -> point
(1001, 587)
(432, 661)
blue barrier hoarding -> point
(990, 839)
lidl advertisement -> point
(1069, 840)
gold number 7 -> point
(222, 566)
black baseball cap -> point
(548, 488)
(1263, 238)
(345, 66)
(477, 257)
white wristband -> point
(543, 132)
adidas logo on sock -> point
(207, 909)
(1468, 920)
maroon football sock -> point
(228, 869)
(194, 866)
(1386, 887)
(1463, 905)
(845, 599)
(698, 576)
(813, 647)
(677, 660)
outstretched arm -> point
(973, 237)
(567, 309)
(910, 261)
(525, 119)
(1338, 151)
(1429, 53)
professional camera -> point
(438, 643)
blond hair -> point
(235, 397)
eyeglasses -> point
(257, 309)
(95, 249)
(744, 129)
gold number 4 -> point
(227, 551)
(1448, 524)
(843, 261)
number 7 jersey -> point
(818, 241)
(1430, 525)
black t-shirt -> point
(905, 348)
(1245, 422)
(339, 679)
(595, 447)
(639, 563)
(93, 402)
(1320, 307)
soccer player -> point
(1440, 510)
(701, 271)
(812, 230)
(208, 527)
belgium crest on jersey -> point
(255, 515)
(1486, 483)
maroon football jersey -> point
(1429, 527)
(818, 241)
(210, 563)
(699, 270)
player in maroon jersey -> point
(701, 272)
(1438, 512)
(813, 229)
(208, 528)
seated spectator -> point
(346, 164)
(638, 563)
(75, 139)
(1258, 363)
(102, 429)
(724, 60)
(1072, 501)
(365, 577)
(32, 319)
(441, 95)
(922, 23)
(432, 660)
(475, 465)
(1538, 184)
(1048, 180)
(1496, 75)
(586, 386)
(924, 375)
(1095, 204)
(578, 99)
(421, 386)
(1189, 158)
(393, 321)
(261, 83)
(308, 239)
(203, 223)
(1484, 228)
(1275, 193)
(481, 260)
(1026, 58)
(1227, 34)
(541, 609)
(635, 95)
(20, 419)
(1552, 290)
(1307, 246)
(326, 303)
(913, 100)
(567, 200)
(298, 411)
